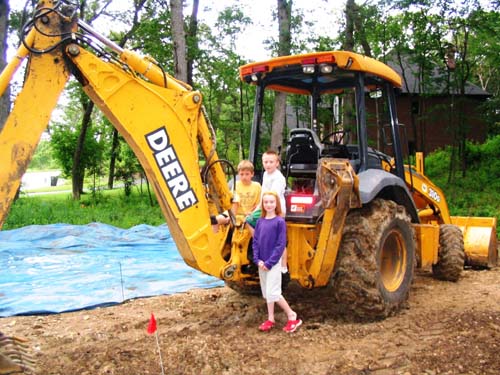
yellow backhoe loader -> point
(359, 220)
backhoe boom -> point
(160, 118)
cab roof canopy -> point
(318, 73)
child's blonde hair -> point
(245, 165)
(278, 209)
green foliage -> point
(111, 207)
(437, 163)
(43, 158)
(153, 35)
(476, 194)
(229, 103)
(127, 167)
(428, 32)
(484, 51)
(419, 29)
(64, 140)
(66, 131)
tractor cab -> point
(343, 135)
(335, 102)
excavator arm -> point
(161, 119)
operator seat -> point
(302, 153)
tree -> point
(89, 11)
(192, 41)
(450, 44)
(66, 132)
(217, 78)
(484, 52)
(78, 167)
(284, 48)
(179, 41)
(128, 167)
(43, 158)
(122, 40)
(349, 116)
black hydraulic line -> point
(398, 154)
(361, 121)
(257, 115)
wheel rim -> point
(393, 261)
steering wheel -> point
(340, 135)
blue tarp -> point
(60, 267)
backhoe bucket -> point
(480, 240)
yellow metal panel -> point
(427, 192)
(13, 65)
(29, 117)
(302, 240)
(339, 192)
(428, 244)
(343, 59)
(480, 239)
(46, 77)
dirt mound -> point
(448, 328)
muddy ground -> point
(448, 328)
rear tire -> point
(376, 261)
(451, 253)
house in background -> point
(432, 118)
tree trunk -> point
(349, 118)
(462, 121)
(278, 121)
(192, 41)
(78, 171)
(358, 24)
(114, 145)
(415, 107)
(112, 159)
(179, 38)
(242, 125)
(4, 22)
(350, 15)
(284, 48)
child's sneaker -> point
(292, 325)
(266, 326)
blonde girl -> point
(269, 242)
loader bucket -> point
(480, 240)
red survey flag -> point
(152, 324)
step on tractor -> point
(359, 219)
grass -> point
(475, 195)
(66, 187)
(114, 208)
(106, 206)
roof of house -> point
(436, 86)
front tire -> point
(451, 253)
(376, 261)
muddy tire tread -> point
(451, 254)
(355, 284)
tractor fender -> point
(377, 183)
